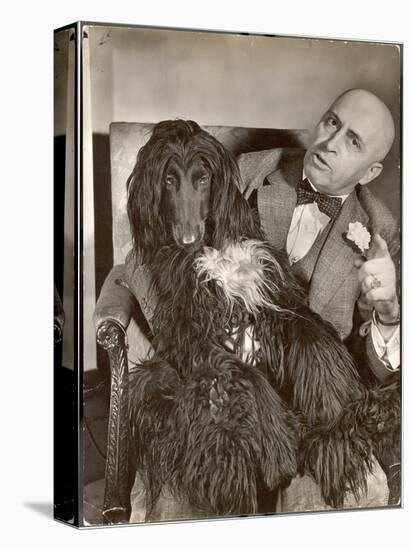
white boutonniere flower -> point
(359, 235)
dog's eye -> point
(169, 181)
(204, 180)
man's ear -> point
(372, 172)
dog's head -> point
(184, 190)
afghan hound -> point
(247, 386)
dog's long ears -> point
(144, 203)
(230, 213)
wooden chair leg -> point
(111, 336)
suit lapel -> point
(276, 203)
(336, 261)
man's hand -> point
(377, 276)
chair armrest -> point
(57, 331)
(116, 302)
(112, 315)
(58, 317)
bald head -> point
(349, 143)
(379, 124)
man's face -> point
(345, 144)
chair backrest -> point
(126, 138)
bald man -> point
(307, 200)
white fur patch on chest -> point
(242, 271)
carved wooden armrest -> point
(111, 336)
(57, 332)
(112, 315)
(58, 318)
(116, 302)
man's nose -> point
(334, 141)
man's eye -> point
(355, 143)
(331, 121)
(204, 180)
(169, 180)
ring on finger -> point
(375, 282)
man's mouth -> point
(320, 162)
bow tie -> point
(328, 205)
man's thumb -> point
(379, 246)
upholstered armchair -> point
(118, 313)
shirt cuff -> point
(388, 352)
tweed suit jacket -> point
(328, 269)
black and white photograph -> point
(236, 226)
(212, 201)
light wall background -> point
(147, 75)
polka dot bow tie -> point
(328, 205)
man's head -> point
(349, 143)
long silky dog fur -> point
(215, 436)
(369, 426)
(267, 421)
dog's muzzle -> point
(189, 236)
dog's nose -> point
(189, 239)
(191, 234)
(188, 235)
